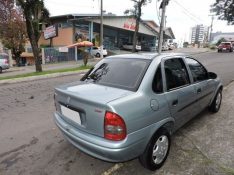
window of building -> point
(176, 73)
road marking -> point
(113, 169)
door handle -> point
(175, 102)
(199, 90)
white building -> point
(199, 34)
(215, 37)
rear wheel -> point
(157, 150)
(0, 70)
(98, 55)
(215, 106)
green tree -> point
(12, 29)
(185, 44)
(224, 9)
(220, 41)
(136, 12)
(35, 14)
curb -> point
(40, 77)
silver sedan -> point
(128, 106)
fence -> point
(53, 55)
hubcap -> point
(160, 149)
(218, 100)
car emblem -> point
(68, 100)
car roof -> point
(149, 56)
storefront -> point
(118, 30)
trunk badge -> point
(68, 100)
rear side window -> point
(198, 71)
(176, 73)
(157, 82)
(118, 72)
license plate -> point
(71, 114)
(224, 48)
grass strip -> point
(46, 72)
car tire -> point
(98, 55)
(160, 144)
(215, 105)
(0, 69)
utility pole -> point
(101, 30)
(163, 5)
(211, 27)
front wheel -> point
(215, 105)
(0, 70)
(157, 150)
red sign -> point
(130, 24)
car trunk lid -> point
(90, 102)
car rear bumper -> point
(99, 147)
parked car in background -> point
(128, 106)
(96, 51)
(225, 46)
(171, 47)
(165, 47)
(4, 62)
(129, 46)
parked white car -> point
(4, 62)
(171, 47)
(165, 48)
(129, 46)
(96, 51)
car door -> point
(179, 92)
(203, 84)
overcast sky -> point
(181, 14)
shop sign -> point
(130, 24)
(63, 49)
(51, 32)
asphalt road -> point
(220, 63)
(30, 143)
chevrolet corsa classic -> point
(128, 106)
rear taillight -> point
(6, 61)
(114, 127)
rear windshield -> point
(226, 44)
(122, 73)
(3, 56)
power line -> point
(188, 13)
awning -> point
(26, 54)
(81, 44)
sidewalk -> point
(28, 69)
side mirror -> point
(212, 75)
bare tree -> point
(12, 28)
(34, 13)
(136, 12)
